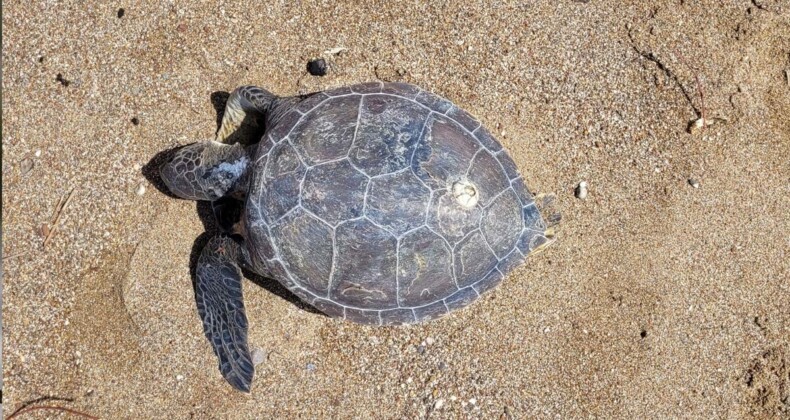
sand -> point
(658, 300)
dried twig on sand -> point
(62, 203)
(701, 122)
(14, 255)
(50, 407)
(699, 85)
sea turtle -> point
(380, 203)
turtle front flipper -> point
(221, 307)
(247, 105)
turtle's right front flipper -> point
(220, 305)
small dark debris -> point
(420, 349)
(41, 59)
(121, 12)
(62, 81)
(135, 121)
(643, 333)
(317, 67)
(757, 322)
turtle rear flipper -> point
(221, 307)
(547, 207)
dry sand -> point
(659, 299)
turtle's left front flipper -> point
(220, 305)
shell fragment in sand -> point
(335, 51)
(697, 125)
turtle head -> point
(206, 170)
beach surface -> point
(667, 293)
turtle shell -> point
(353, 205)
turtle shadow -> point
(151, 170)
(218, 100)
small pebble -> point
(121, 12)
(581, 190)
(473, 401)
(420, 349)
(438, 404)
(179, 377)
(26, 166)
(135, 121)
(137, 166)
(141, 189)
(258, 356)
(38, 153)
(429, 341)
(311, 367)
(693, 182)
(317, 67)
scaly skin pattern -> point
(207, 171)
(351, 205)
(221, 307)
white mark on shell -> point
(465, 194)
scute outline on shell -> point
(487, 281)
